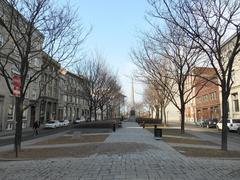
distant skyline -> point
(115, 29)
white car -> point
(52, 124)
(78, 120)
(64, 122)
(232, 124)
(61, 123)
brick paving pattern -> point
(160, 162)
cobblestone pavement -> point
(160, 162)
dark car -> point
(238, 130)
(203, 122)
(211, 123)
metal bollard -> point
(155, 127)
(157, 133)
(114, 127)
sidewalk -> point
(157, 161)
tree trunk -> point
(182, 120)
(152, 112)
(157, 112)
(165, 117)
(224, 119)
(101, 113)
(90, 113)
(161, 114)
(182, 112)
(95, 112)
(107, 113)
(18, 129)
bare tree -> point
(149, 99)
(168, 59)
(99, 84)
(90, 70)
(209, 24)
(32, 29)
(109, 92)
(158, 95)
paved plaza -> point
(157, 161)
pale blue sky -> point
(115, 24)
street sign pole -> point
(16, 82)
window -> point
(1, 40)
(36, 62)
(233, 75)
(227, 106)
(236, 120)
(2, 15)
(10, 111)
(24, 114)
(235, 102)
(33, 93)
(65, 98)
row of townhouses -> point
(61, 97)
(56, 94)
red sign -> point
(16, 81)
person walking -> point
(35, 127)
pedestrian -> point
(35, 127)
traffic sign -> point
(16, 81)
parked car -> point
(61, 123)
(52, 124)
(78, 120)
(197, 123)
(203, 122)
(232, 124)
(64, 122)
(211, 123)
(238, 130)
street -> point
(213, 135)
(28, 135)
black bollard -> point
(143, 124)
(157, 133)
(114, 127)
(155, 127)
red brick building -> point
(207, 98)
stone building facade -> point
(234, 97)
(44, 97)
(9, 57)
(72, 104)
